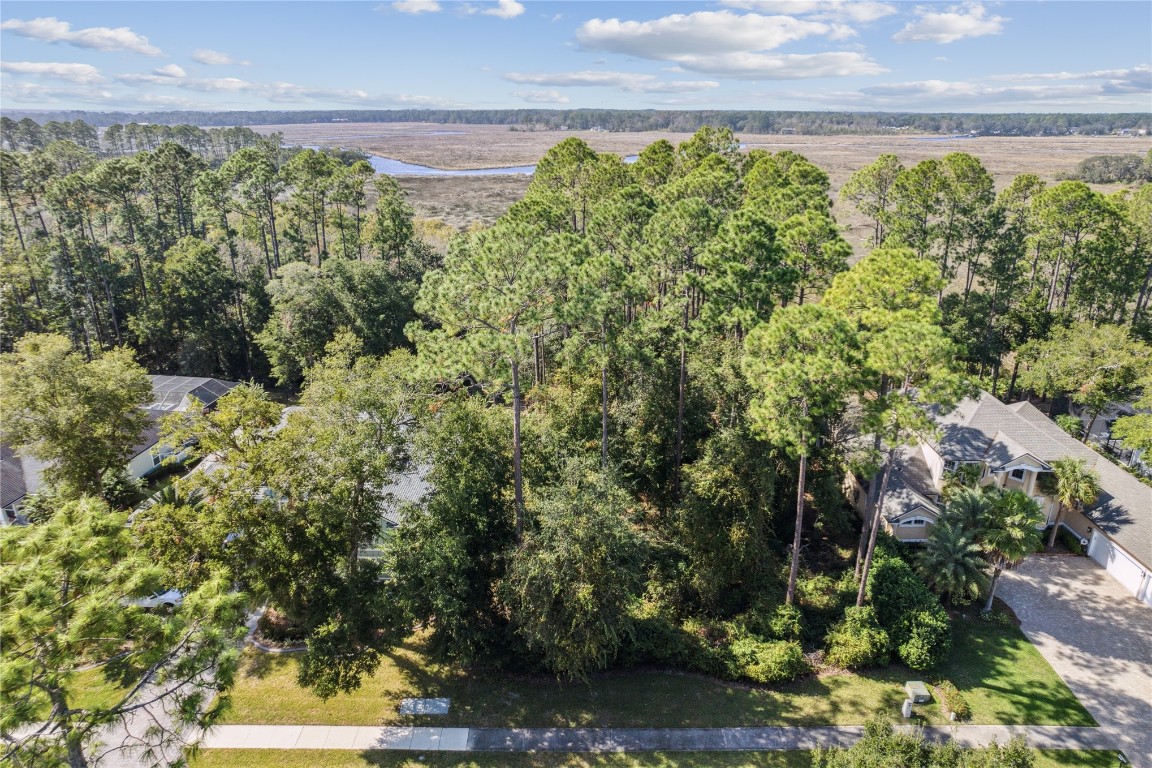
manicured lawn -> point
(1079, 758)
(277, 758)
(93, 691)
(1004, 677)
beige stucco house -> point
(1012, 446)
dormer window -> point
(916, 522)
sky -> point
(868, 55)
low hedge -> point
(1070, 540)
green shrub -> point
(895, 591)
(660, 641)
(1070, 540)
(787, 623)
(778, 661)
(1071, 424)
(857, 641)
(119, 489)
(955, 703)
(822, 601)
(929, 639)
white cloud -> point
(505, 9)
(788, 66)
(625, 81)
(542, 97)
(278, 91)
(85, 74)
(859, 11)
(170, 70)
(416, 6)
(51, 30)
(216, 58)
(1134, 80)
(956, 23)
(964, 92)
(674, 86)
(703, 32)
(727, 44)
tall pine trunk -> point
(795, 570)
(876, 516)
(681, 392)
(517, 478)
(604, 397)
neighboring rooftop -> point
(22, 475)
(175, 393)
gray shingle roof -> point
(987, 430)
(910, 485)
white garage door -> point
(1122, 567)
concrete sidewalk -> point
(425, 739)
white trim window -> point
(1018, 473)
(915, 522)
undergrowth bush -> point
(857, 641)
(929, 639)
(777, 661)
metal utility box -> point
(917, 692)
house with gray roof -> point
(21, 476)
(1012, 447)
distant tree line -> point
(116, 140)
(1114, 169)
(808, 123)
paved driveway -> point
(1096, 636)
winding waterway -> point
(394, 167)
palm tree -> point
(1074, 486)
(1009, 533)
(968, 507)
(952, 562)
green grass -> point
(270, 758)
(1006, 680)
(1004, 677)
(1076, 758)
(92, 691)
(279, 758)
(88, 690)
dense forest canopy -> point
(635, 399)
(813, 123)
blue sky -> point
(729, 54)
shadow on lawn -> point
(1013, 682)
(260, 665)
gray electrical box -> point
(917, 692)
